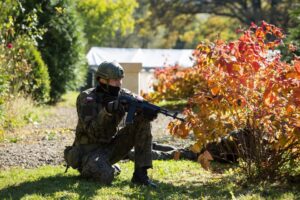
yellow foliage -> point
(196, 148)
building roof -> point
(150, 58)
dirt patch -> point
(43, 144)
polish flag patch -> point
(89, 98)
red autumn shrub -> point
(245, 86)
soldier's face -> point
(115, 82)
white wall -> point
(146, 78)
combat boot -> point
(117, 169)
(140, 177)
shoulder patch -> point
(89, 98)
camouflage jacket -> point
(95, 125)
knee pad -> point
(97, 167)
(72, 156)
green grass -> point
(68, 99)
(176, 180)
(23, 111)
(19, 112)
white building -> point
(138, 64)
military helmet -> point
(109, 70)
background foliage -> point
(272, 11)
(182, 24)
(173, 83)
(244, 86)
(106, 20)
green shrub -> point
(4, 80)
(39, 83)
(4, 86)
(23, 70)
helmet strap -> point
(104, 84)
(107, 85)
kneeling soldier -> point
(100, 140)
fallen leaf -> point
(176, 155)
(204, 159)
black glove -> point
(114, 106)
(106, 99)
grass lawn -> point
(176, 180)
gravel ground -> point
(43, 144)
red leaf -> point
(297, 65)
(242, 47)
(231, 46)
(253, 25)
(263, 24)
(260, 33)
(268, 94)
(256, 66)
(229, 68)
(297, 96)
(242, 79)
(278, 33)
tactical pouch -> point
(72, 156)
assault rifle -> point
(144, 106)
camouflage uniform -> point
(101, 141)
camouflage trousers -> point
(159, 152)
(167, 152)
(95, 160)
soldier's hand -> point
(106, 99)
(114, 106)
(150, 114)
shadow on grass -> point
(188, 191)
(47, 186)
(88, 189)
(224, 188)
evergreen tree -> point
(62, 45)
(294, 33)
